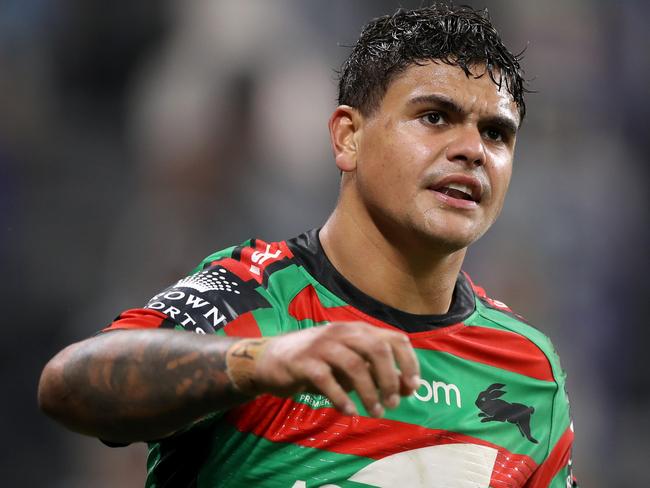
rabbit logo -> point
(495, 410)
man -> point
(358, 354)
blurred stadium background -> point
(137, 137)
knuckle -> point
(401, 339)
(363, 326)
(380, 348)
(333, 326)
(389, 380)
(336, 329)
(349, 330)
(338, 326)
(319, 375)
(354, 364)
(392, 378)
(390, 387)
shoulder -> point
(531, 344)
(529, 353)
(253, 260)
(226, 293)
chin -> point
(449, 238)
(450, 244)
(431, 230)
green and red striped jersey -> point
(491, 410)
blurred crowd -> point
(138, 137)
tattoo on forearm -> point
(144, 375)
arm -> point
(127, 386)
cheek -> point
(500, 180)
(385, 169)
(404, 160)
(391, 165)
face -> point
(434, 160)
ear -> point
(495, 386)
(495, 394)
(344, 125)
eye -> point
(494, 135)
(433, 118)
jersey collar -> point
(309, 252)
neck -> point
(418, 279)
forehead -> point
(479, 95)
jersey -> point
(491, 409)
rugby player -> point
(359, 353)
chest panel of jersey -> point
(418, 444)
(298, 441)
(441, 436)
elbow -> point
(53, 396)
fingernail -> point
(392, 401)
(350, 409)
(377, 410)
(415, 381)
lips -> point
(460, 187)
(457, 191)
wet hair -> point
(455, 35)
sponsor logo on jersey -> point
(209, 280)
(259, 258)
(314, 401)
(208, 300)
(435, 391)
(495, 410)
(184, 307)
(261, 255)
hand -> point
(335, 359)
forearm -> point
(136, 385)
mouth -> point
(459, 187)
(456, 191)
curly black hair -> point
(455, 35)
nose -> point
(466, 146)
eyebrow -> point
(449, 105)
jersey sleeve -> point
(221, 296)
